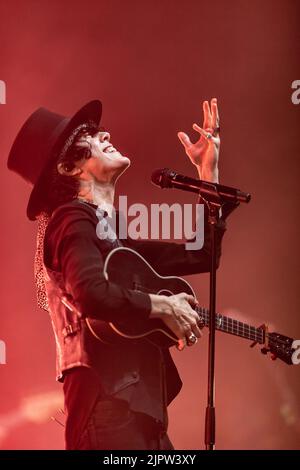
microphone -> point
(213, 192)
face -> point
(106, 163)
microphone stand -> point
(165, 178)
(210, 415)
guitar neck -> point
(233, 327)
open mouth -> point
(109, 149)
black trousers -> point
(113, 426)
(98, 422)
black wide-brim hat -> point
(38, 144)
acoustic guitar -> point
(130, 270)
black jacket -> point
(142, 374)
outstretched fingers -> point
(207, 115)
(185, 140)
(207, 134)
(215, 113)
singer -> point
(116, 396)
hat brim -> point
(92, 111)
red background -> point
(152, 63)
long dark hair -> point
(60, 189)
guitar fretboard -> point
(233, 327)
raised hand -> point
(204, 153)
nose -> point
(104, 136)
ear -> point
(63, 169)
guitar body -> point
(127, 268)
(130, 270)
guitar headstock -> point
(280, 347)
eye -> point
(78, 153)
(94, 131)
